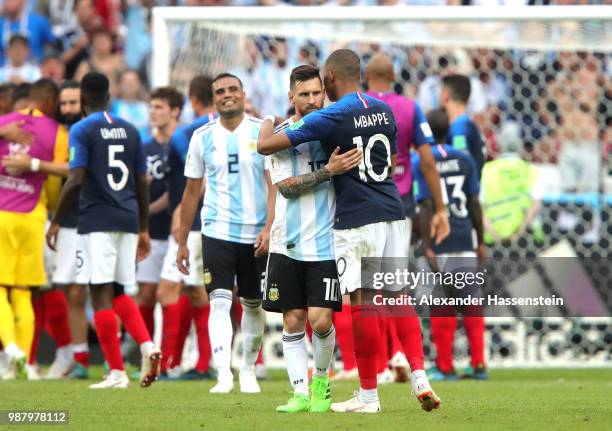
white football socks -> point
(220, 331)
(252, 328)
(323, 350)
(296, 360)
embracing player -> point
(369, 218)
(108, 169)
(301, 279)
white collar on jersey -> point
(243, 123)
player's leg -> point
(220, 261)
(350, 246)
(15, 357)
(284, 292)
(185, 319)
(250, 276)
(148, 274)
(77, 321)
(344, 336)
(384, 374)
(55, 308)
(200, 307)
(98, 251)
(407, 322)
(39, 320)
(323, 293)
(127, 310)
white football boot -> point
(115, 379)
(356, 405)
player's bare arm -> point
(338, 164)
(262, 242)
(13, 132)
(159, 205)
(476, 215)
(69, 195)
(189, 206)
(142, 195)
(23, 163)
(424, 218)
(440, 228)
(269, 142)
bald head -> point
(380, 68)
(345, 65)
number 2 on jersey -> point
(113, 162)
(366, 163)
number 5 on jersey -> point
(114, 162)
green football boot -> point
(298, 403)
(320, 401)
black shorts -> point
(226, 262)
(293, 284)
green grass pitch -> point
(554, 399)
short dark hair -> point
(458, 86)
(94, 88)
(69, 83)
(200, 87)
(18, 38)
(439, 123)
(21, 91)
(44, 89)
(171, 95)
(227, 75)
(345, 63)
(303, 73)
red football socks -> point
(37, 306)
(474, 330)
(443, 333)
(200, 317)
(56, 317)
(170, 328)
(148, 315)
(366, 338)
(106, 329)
(130, 316)
(344, 336)
(185, 318)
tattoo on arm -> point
(295, 186)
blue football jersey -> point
(111, 152)
(463, 135)
(156, 154)
(367, 193)
(177, 154)
(458, 182)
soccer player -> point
(460, 178)
(236, 221)
(108, 169)
(301, 276)
(164, 108)
(412, 131)
(180, 310)
(49, 304)
(463, 134)
(369, 217)
(23, 212)
(65, 263)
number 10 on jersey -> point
(366, 163)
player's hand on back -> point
(440, 227)
(144, 246)
(182, 259)
(13, 132)
(262, 242)
(52, 235)
(17, 163)
(342, 163)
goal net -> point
(541, 88)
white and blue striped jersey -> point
(236, 196)
(302, 228)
